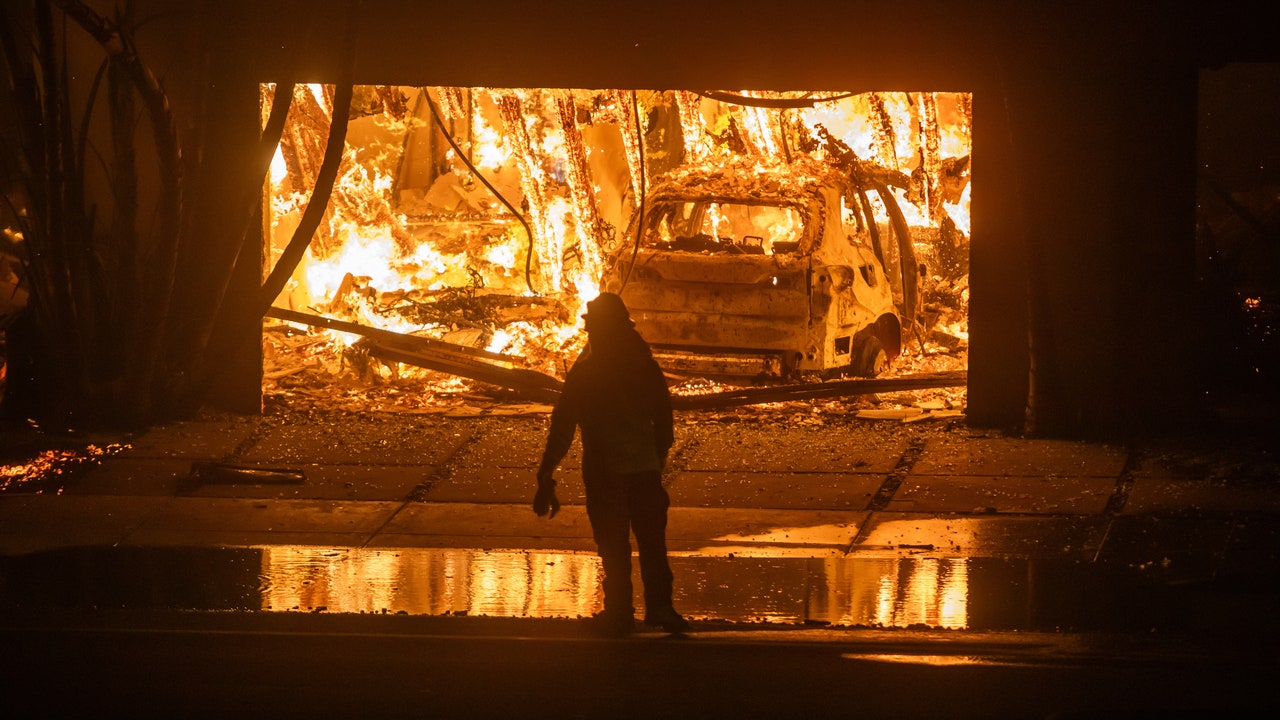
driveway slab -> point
(1010, 456)
(197, 440)
(978, 536)
(761, 533)
(330, 482)
(1005, 494)
(1156, 496)
(269, 517)
(422, 441)
(45, 521)
(826, 449)
(777, 490)
(486, 526)
(220, 537)
(515, 485)
(132, 476)
(512, 445)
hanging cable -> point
(528, 258)
(635, 251)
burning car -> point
(759, 270)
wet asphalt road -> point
(236, 665)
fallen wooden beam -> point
(440, 356)
(810, 391)
(529, 383)
(417, 343)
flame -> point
(760, 127)
(373, 259)
(279, 170)
(317, 91)
(888, 127)
(487, 146)
(697, 143)
(959, 212)
(502, 256)
(851, 122)
(716, 220)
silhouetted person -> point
(616, 394)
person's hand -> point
(545, 501)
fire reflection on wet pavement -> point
(883, 592)
(907, 591)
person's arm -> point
(559, 438)
(564, 422)
(663, 420)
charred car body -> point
(759, 271)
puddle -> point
(992, 594)
(933, 660)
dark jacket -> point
(617, 394)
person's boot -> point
(666, 618)
(612, 623)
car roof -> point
(735, 180)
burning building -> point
(1071, 128)
(782, 236)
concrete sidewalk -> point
(763, 488)
(884, 543)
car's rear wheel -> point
(872, 358)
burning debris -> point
(469, 226)
(46, 466)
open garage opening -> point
(786, 245)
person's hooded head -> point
(610, 332)
(607, 315)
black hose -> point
(528, 258)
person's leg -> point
(607, 511)
(648, 502)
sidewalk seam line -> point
(419, 492)
(888, 488)
(1124, 484)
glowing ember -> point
(51, 464)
